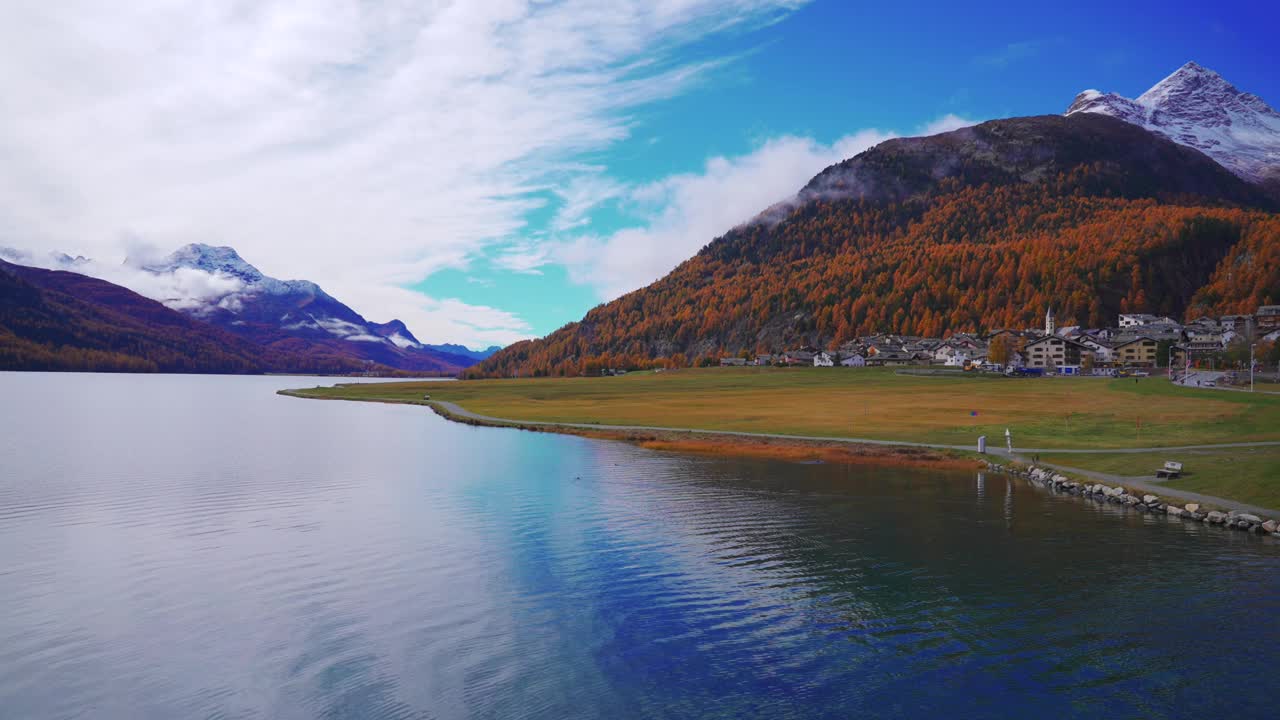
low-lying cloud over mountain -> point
(362, 145)
(217, 286)
(681, 212)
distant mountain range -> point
(1162, 204)
(1166, 203)
(280, 325)
(280, 313)
(59, 320)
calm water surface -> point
(198, 547)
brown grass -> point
(956, 409)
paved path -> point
(1199, 379)
(1149, 484)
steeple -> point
(1049, 325)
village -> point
(1138, 344)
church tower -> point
(1049, 325)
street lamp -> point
(1251, 348)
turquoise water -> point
(196, 547)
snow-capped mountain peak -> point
(210, 259)
(251, 302)
(1197, 107)
(215, 285)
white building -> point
(1136, 319)
(853, 361)
(1101, 350)
(822, 359)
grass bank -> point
(949, 409)
(870, 403)
(1250, 475)
(793, 449)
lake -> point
(199, 547)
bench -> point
(1170, 470)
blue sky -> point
(488, 171)
(830, 69)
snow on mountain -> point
(273, 311)
(397, 333)
(291, 305)
(226, 262)
(216, 285)
(1197, 107)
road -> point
(1200, 378)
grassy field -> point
(871, 403)
(1249, 475)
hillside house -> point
(1100, 348)
(822, 359)
(945, 352)
(1204, 321)
(1051, 352)
(1205, 340)
(1267, 318)
(1242, 324)
(1017, 339)
(1138, 352)
(890, 358)
(853, 361)
(957, 344)
(732, 362)
(802, 356)
(1129, 320)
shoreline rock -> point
(1118, 495)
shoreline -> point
(713, 442)
(1142, 502)
(853, 451)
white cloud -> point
(946, 123)
(682, 213)
(579, 195)
(360, 145)
(183, 289)
(480, 325)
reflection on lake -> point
(191, 547)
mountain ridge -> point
(977, 228)
(62, 320)
(1197, 107)
(285, 313)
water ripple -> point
(274, 558)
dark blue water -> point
(198, 547)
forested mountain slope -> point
(979, 228)
(58, 320)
